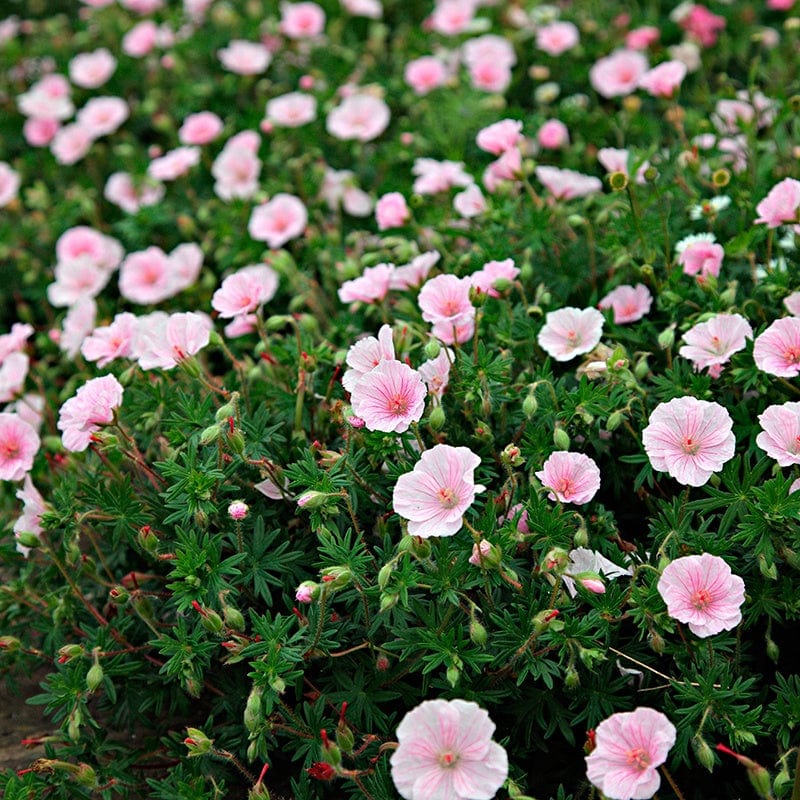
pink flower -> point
(781, 204)
(145, 277)
(451, 17)
(301, 20)
(140, 39)
(92, 405)
(411, 275)
(244, 58)
(446, 751)
(9, 184)
(489, 75)
(566, 184)
(47, 99)
(571, 477)
(40, 132)
(13, 371)
(389, 397)
(122, 191)
(702, 592)
(371, 287)
(238, 510)
(91, 70)
(169, 340)
(553, 135)
(19, 444)
(471, 202)
(642, 38)
(32, 510)
(79, 242)
(492, 271)
(435, 494)
(111, 342)
(14, 341)
(71, 143)
(780, 433)
(283, 218)
(570, 332)
(445, 302)
(78, 324)
(360, 116)
(663, 80)
(629, 748)
(425, 74)
(712, 343)
(618, 74)
(557, 37)
(615, 159)
(792, 304)
(391, 211)
(76, 279)
(700, 255)
(366, 354)
(174, 164)
(702, 25)
(489, 48)
(438, 176)
(102, 116)
(777, 350)
(582, 561)
(200, 128)
(237, 167)
(292, 110)
(630, 303)
(500, 136)
(245, 291)
(436, 371)
(690, 439)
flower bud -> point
(478, 633)
(572, 680)
(336, 577)
(384, 574)
(10, 644)
(388, 601)
(345, 738)
(767, 569)
(238, 510)
(331, 754)
(761, 782)
(437, 418)
(641, 368)
(773, 651)
(312, 499)
(545, 619)
(656, 642)
(234, 619)
(94, 677)
(453, 675)
(581, 536)
(211, 621)
(85, 775)
(615, 419)
(561, 439)
(512, 455)
(432, 348)
(307, 591)
(69, 652)
(253, 710)
(198, 743)
(556, 560)
(529, 406)
(28, 539)
(667, 338)
(591, 581)
(210, 434)
(421, 548)
(235, 441)
(703, 752)
(225, 411)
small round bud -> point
(437, 418)
(561, 439)
(703, 752)
(615, 419)
(210, 434)
(572, 680)
(94, 677)
(384, 574)
(238, 510)
(453, 675)
(478, 633)
(432, 348)
(530, 405)
(618, 181)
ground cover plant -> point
(400, 398)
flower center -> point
(638, 757)
(701, 599)
(792, 354)
(447, 497)
(397, 405)
(448, 760)
(573, 337)
(9, 449)
(690, 446)
(564, 488)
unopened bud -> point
(773, 651)
(85, 775)
(388, 601)
(148, 541)
(561, 439)
(69, 652)
(615, 419)
(235, 441)
(225, 412)
(592, 582)
(234, 619)
(437, 418)
(453, 675)
(9, 644)
(345, 738)
(656, 642)
(477, 296)
(211, 621)
(760, 780)
(572, 680)
(767, 568)
(529, 406)
(420, 547)
(331, 754)
(336, 577)
(432, 348)
(198, 743)
(703, 752)
(28, 539)
(556, 560)
(253, 710)
(512, 455)
(384, 574)
(478, 633)
(94, 677)
(666, 338)
(312, 499)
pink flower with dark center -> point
(111, 342)
(245, 58)
(629, 303)
(663, 80)
(780, 205)
(435, 494)
(366, 354)
(629, 749)
(19, 444)
(700, 255)
(169, 340)
(780, 433)
(712, 343)
(389, 397)
(445, 302)
(777, 350)
(283, 218)
(566, 184)
(245, 291)
(557, 37)
(371, 287)
(360, 116)
(570, 332)
(500, 136)
(690, 439)
(436, 371)
(618, 74)
(571, 477)
(446, 751)
(701, 592)
(92, 405)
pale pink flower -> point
(702, 25)
(663, 80)
(616, 159)
(566, 184)
(451, 17)
(780, 5)
(200, 128)
(91, 70)
(301, 20)
(553, 135)
(506, 168)
(283, 218)
(366, 354)
(14, 341)
(435, 494)
(292, 110)
(77, 325)
(413, 274)
(102, 116)
(480, 552)
(571, 477)
(690, 439)
(185, 261)
(19, 444)
(557, 37)
(140, 39)
(630, 303)
(618, 74)
(71, 143)
(391, 211)
(33, 508)
(792, 304)
(40, 132)
(780, 205)
(795, 487)
(425, 74)
(777, 350)
(360, 116)
(270, 489)
(9, 184)
(438, 176)
(30, 408)
(642, 38)
(436, 371)
(245, 291)
(172, 339)
(570, 332)
(76, 279)
(583, 560)
(446, 751)
(122, 191)
(304, 593)
(142, 6)
(492, 271)
(471, 202)
(780, 433)
(112, 341)
(92, 405)
(339, 188)
(13, 371)
(444, 301)
(702, 592)
(500, 136)
(519, 513)
(489, 48)
(629, 748)
(237, 167)
(102, 251)
(245, 58)
(363, 8)
(47, 99)
(370, 287)
(700, 255)
(174, 164)
(489, 76)
(145, 277)
(712, 343)
(389, 397)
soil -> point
(19, 721)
